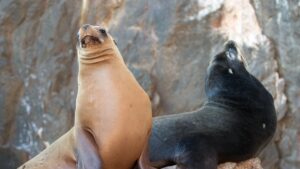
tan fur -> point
(113, 113)
(60, 155)
(108, 92)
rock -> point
(38, 75)
(11, 157)
(167, 45)
(248, 164)
(280, 22)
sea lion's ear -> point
(115, 43)
(77, 37)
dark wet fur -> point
(229, 127)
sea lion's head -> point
(228, 79)
(95, 44)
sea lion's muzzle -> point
(230, 60)
(233, 53)
(89, 36)
(231, 50)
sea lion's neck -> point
(221, 103)
(232, 104)
(96, 55)
(104, 67)
(240, 105)
(99, 63)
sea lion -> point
(59, 155)
(113, 114)
(236, 122)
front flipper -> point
(86, 150)
(195, 153)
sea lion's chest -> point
(112, 94)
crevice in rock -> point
(113, 7)
(279, 71)
(286, 118)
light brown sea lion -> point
(113, 113)
(59, 155)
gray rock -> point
(167, 45)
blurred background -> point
(166, 44)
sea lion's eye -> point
(102, 31)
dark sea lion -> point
(113, 113)
(236, 122)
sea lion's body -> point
(235, 123)
(109, 92)
(113, 113)
(59, 155)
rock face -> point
(167, 44)
(249, 164)
(254, 163)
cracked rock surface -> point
(166, 44)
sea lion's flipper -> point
(143, 162)
(195, 153)
(86, 150)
